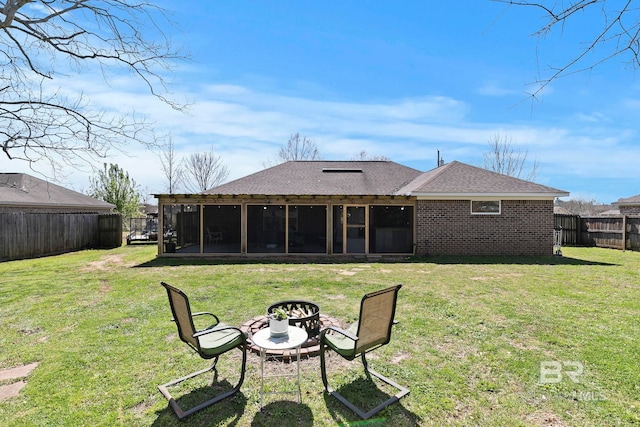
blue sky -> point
(401, 79)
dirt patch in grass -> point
(141, 408)
(105, 287)
(347, 273)
(399, 357)
(457, 349)
(544, 419)
(501, 276)
(107, 262)
(30, 331)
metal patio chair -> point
(209, 343)
(371, 331)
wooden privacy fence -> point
(616, 231)
(31, 235)
(109, 231)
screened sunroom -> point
(285, 227)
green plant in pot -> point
(278, 322)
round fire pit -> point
(305, 315)
(302, 314)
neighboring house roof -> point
(328, 178)
(25, 191)
(457, 179)
(629, 201)
(561, 211)
(610, 212)
(149, 209)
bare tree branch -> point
(505, 159)
(618, 35)
(363, 155)
(204, 171)
(40, 40)
(171, 166)
(297, 148)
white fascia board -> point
(487, 196)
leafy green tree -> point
(113, 185)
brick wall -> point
(446, 227)
(629, 210)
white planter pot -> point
(278, 328)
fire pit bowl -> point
(302, 314)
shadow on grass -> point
(479, 260)
(514, 260)
(284, 413)
(227, 411)
(363, 393)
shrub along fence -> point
(616, 231)
(34, 234)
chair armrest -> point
(200, 313)
(216, 329)
(340, 331)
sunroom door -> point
(355, 229)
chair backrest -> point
(182, 315)
(377, 311)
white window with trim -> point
(485, 207)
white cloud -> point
(593, 117)
(246, 127)
(495, 89)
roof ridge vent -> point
(341, 170)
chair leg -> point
(403, 391)
(180, 413)
(323, 368)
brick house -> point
(629, 205)
(362, 208)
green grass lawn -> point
(472, 337)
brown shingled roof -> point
(629, 201)
(323, 178)
(457, 178)
(22, 190)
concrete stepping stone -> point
(17, 372)
(13, 389)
